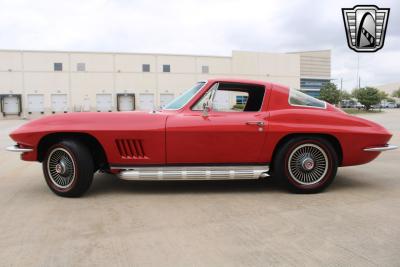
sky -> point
(202, 27)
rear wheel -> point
(306, 164)
(68, 168)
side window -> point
(233, 98)
(297, 98)
(226, 100)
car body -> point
(183, 141)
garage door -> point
(86, 105)
(146, 101)
(126, 102)
(165, 99)
(59, 103)
(11, 105)
(35, 103)
(104, 102)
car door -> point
(219, 137)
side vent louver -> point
(130, 148)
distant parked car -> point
(391, 105)
(359, 105)
(377, 106)
(351, 103)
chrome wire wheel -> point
(61, 168)
(308, 164)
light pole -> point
(358, 71)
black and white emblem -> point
(365, 27)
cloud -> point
(200, 27)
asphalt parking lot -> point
(232, 223)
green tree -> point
(368, 96)
(344, 95)
(391, 100)
(396, 93)
(383, 95)
(330, 93)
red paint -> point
(185, 136)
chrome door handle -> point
(258, 123)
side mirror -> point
(206, 108)
(207, 105)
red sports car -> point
(218, 129)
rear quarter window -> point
(297, 98)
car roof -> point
(238, 80)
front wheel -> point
(68, 168)
(306, 165)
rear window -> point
(297, 98)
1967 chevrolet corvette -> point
(218, 129)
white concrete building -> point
(45, 82)
(389, 88)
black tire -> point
(68, 168)
(306, 164)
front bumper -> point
(380, 148)
(16, 148)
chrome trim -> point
(258, 123)
(380, 148)
(298, 162)
(66, 176)
(16, 148)
(195, 173)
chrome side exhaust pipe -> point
(194, 173)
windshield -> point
(184, 98)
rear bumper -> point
(16, 148)
(380, 148)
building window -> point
(166, 68)
(312, 86)
(241, 99)
(205, 69)
(311, 93)
(81, 67)
(146, 67)
(57, 66)
(306, 83)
